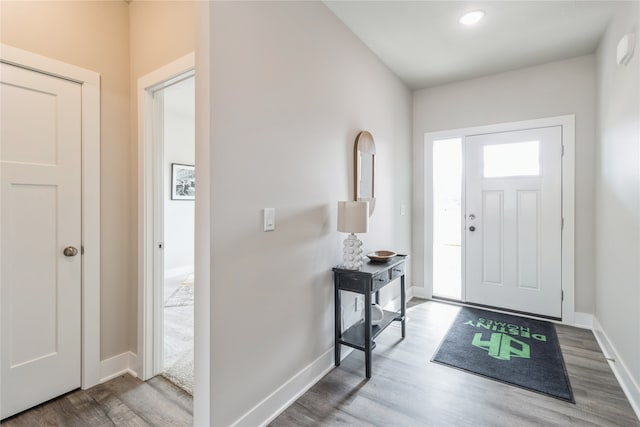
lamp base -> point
(352, 252)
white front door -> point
(513, 220)
(40, 216)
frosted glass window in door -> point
(515, 159)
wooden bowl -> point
(381, 256)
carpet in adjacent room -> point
(178, 336)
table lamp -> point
(353, 217)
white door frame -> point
(90, 94)
(150, 217)
(568, 197)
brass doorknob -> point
(70, 251)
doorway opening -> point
(176, 115)
(167, 214)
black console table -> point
(372, 277)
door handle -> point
(472, 228)
(70, 251)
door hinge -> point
(562, 149)
(562, 224)
(561, 296)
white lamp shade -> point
(353, 217)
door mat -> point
(514, 350)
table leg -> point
(338, 323)
(403, 306)
(367, 331)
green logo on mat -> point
(501, 346)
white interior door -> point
(514, 220)
(40, 216)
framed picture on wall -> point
(183, 182)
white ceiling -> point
(423, 43)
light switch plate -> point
(269, 219)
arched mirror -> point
(364, 168)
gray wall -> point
(554, 89)
(618, 194)
(290, 89)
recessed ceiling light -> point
(471, 18)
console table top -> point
(373, 267)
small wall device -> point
(626, 46)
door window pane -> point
(516, 159)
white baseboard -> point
(118, 365)
(624, 377)
(409, 290)
(274, 404)
(583, 320)
(134, 364)
(419, 292)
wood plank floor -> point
(123, 401)
(408, 390)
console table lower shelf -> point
(354, 336)
(370, 279)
